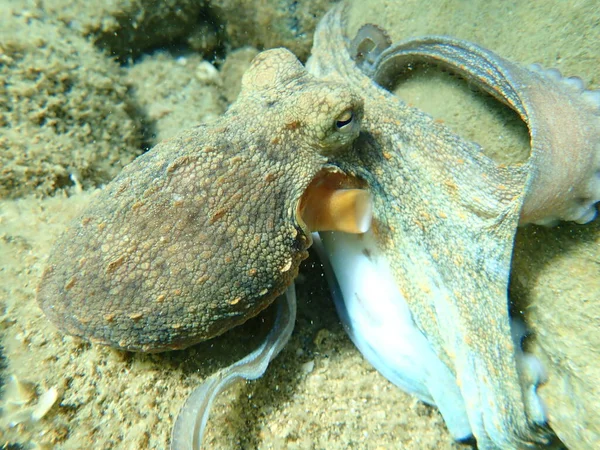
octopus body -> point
(209, 228)
(201, 233)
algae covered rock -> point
(234, 66)
(272, 23)
(175, 93)
(65, 113)
(128, 28)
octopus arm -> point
(562, 116)
(190, 424)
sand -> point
(320, 392)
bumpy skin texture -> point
(200, 233)
(445, 214)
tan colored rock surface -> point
(66, 115)
(127, 28)
(175, 93)
(272, 23)
(234, 66)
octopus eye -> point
(344, 121)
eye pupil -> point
(344, 119)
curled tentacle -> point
(562, 116)
(188, 430)
(370, 41)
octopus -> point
(416, 227)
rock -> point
(65, 112)
(273, 23)
(127, 28)
(175, 93)
(236, 63)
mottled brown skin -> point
(200, 233)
